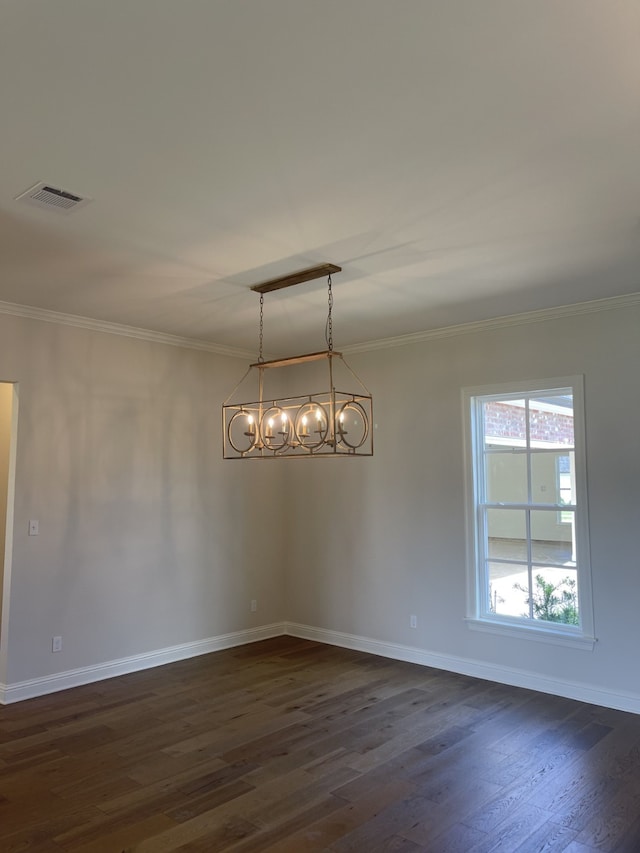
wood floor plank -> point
(346, 818)
(388, 822)
(521, 822)
(450, 810)
(127, 835)
(612, 822)
(289, 746)
(274, 838)
(629, 841)
(36, 831)
(397, 844)
(549, 838)
(458, 838)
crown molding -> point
(592, 307)
(79, 322)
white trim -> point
(533, 632)
(464, 666)
(473, 450)
(580, 691)
(79, 322)
(109, 669)
(591, 307)
(5, 577)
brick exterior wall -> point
(504, 421)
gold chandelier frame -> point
(325, 423)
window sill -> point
(535, 633)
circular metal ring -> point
(355, 406)
(253, 439)
(312, 410)
(268, 429)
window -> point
(527, 511)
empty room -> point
(398, 243)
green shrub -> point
(553, 602)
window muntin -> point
(530, 549)
(565, 485)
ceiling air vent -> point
(49, 197)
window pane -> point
(555, 596)
(551, 539)
(551, 420)
(503, 422)
(508, 585)
(507, 534)
(552, 477)
(506, 477)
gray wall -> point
(147, 538)
(386, 537)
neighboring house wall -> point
(507, 473)
(386, 537)
(504, 471)
(504, 421)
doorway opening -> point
(8, 425)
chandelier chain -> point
(329, 327)
(260, 355)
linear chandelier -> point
(319, 424)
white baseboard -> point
(88, 674)
(10, 693)
(465, 666)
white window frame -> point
(479, 616)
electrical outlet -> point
(413, 621)
(56, 644)
(254, 605)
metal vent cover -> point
(52, 198)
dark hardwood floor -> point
(293, 746)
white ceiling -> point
(460, 160)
